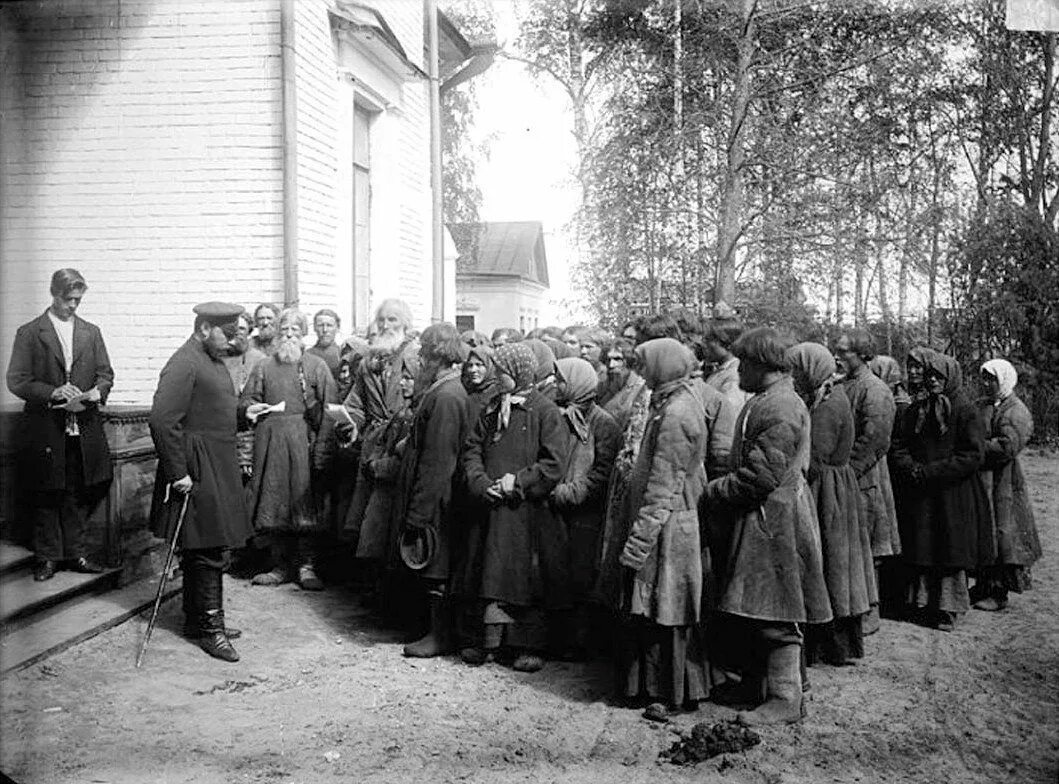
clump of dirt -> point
(704, 741)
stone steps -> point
(38, 620)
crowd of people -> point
(713, 507)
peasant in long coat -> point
(664, 655)
(517, 549)
(763, 531)
(593, 443)
(946, 519)
(1008, 428)
(874, 409)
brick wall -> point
(148, 155)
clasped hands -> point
(68, 392)
(502, 488)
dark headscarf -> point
(939, 405)
(560, 349)
(487, 356)
(579, 387)
(544, 358)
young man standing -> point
(59, 366)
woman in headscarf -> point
(849, 569)
(889, 370)
(593, 442)
(662, 656)
(517, 561)
(479, 379)
(1008, 427)
(944, 514)
(544, 373)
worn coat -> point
(287, 450)
(580, 498)
(763, 531)
(873, 409)
(1008, 427)
(439, 430)
(193, 420)
(946, 519)
(36, 369)
(620, 405)
(517, 550)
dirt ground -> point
(321, 695)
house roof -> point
(509, 248)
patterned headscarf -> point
(1006, 376)
(816, 365)
(579, 387)
(515, 369)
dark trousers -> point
(60, 517)
(202, 570)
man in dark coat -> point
(59, 366)
(193, 421)
(440, 427)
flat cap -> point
(218, 312)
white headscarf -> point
(1005, 375)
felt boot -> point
(783, 690)
(439, 640)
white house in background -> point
(501, 275)
(176, 151)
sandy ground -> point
(321, 695)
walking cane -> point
(165, 575)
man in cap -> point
(193, 422)
(59, 366)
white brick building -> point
(156, 146)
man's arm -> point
(20, 379)
(169, 409)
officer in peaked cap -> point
(193, 424)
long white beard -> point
(289, 351)
(387, 340)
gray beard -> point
(289, 352)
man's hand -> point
(255, 410)
(493, 491)
(507, 484)
(65, 393)
(93, 396)
(183, 485)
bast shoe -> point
(527, 662)
(277, 576)
(990, 604)
(308, 580)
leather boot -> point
(439, 640)
(212, 637)
(191, 606)
(783, 691)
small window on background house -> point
(464, 323)
(522, 324)
(361, 214)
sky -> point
(526, 123)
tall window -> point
(361, 215)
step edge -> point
(88, 634)
(98, 581)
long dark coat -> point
(874, 409)
(763, 532)
(517, 551)
(848, 564)
(193, 421)
(35, 371)
(945, 515)
(581, 496)
(439, 431)
(1008, 427)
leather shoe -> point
(192, 632)
(44, 570)
(84, 566)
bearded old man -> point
(193, 420)
(285, 400)
(264, 340)
(376, 395)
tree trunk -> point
(732, 190)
